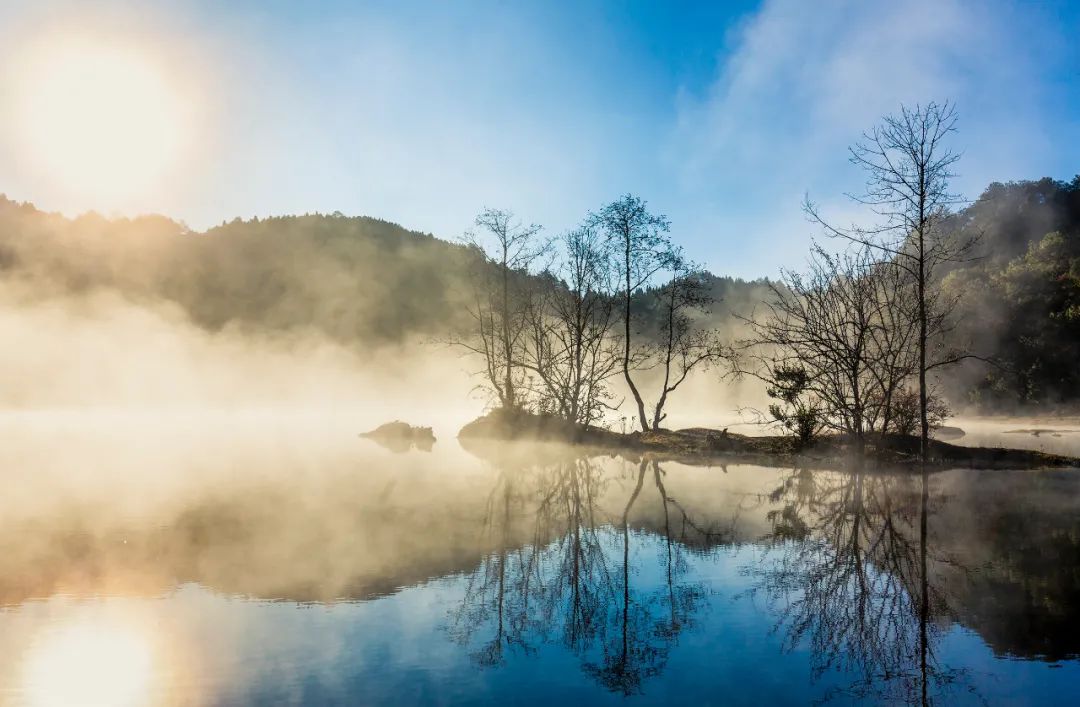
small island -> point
(699, 446)
(399, 437)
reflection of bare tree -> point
(650, 625)
(629, 658)
(492, 598)
(850, 569)
(579, 584)
(572, 581)
(682, 597)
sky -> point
(723, 116)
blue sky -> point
(721, 115)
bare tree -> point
(838, 348)
(504, 250)
(821, 325)
(908, 168)
(641, 241)
(570, 346)
(682, 344)
(893, 342)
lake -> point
(198, 558)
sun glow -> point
(89, 663)
(101, 121)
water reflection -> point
(848, 569)
(607, 577)
(1013, 544)
(573, 583)
(88, 663)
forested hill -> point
(1019, 298)
(361, 281)
(367, 282)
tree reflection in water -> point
(848, 569)
(572, 579)
(846, 565)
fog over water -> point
(262, 556)
(1053, 434)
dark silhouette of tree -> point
(908, 168)
(798, 410)
(504, 251)
(833, 345)
(643, 249)
(570, 346)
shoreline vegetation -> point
(698, 446)
(851, 350)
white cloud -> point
(803, 80)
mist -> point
(101, 351)
(523, 353)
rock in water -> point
(400, 437)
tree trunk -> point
(924, 586)
(510, 402)
(924, 437)
(626, 342)
(667, 357)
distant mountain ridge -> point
(356, 280)
(366, 282)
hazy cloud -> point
(802, 81)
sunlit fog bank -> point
(122, 503)
(100, 352)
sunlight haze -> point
(102, 121)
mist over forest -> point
(368, 287)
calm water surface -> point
(260, 560)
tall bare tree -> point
(643, 247)
(908, 166)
